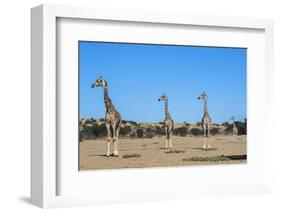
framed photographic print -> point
(149, 106)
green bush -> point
(149, 134)
(148, 129)
(242, 127)
(124, 131)
(228, 129)
(181, 131)
(140, 133)
(215, 131)
(196, 131)
(100, 130)
(95, 131)
(133, 135)
(159, 130)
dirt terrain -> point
(141, 153)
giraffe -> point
(168, 122)
(112, 118)
(206, 120)
(234, 129)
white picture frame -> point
(46, 167)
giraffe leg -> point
(170, 138)
(209, 130)
(108, 138)
(117, 137)
(115, 152)
(205, 140)
(166, 129)
(204, 132)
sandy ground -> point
(153, 154)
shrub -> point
(148, 129)
(149, 135)
(86, 133)
(124, 131)
(196, 131)
(159, 130)
(90, 132)
(149, 132)
(242, 127)
(140, 133)
(182, 131)
(215, 131)
(99, 130)
(228, 129)
(133, 135)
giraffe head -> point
(232, 119)
(203, 96)
(100, 82)
(163, 97)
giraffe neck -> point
(234, 125)
(107, 101)
(166, 108)
(205, 106)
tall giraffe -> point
(112, 118)
(206, 120)
(234, 128)
(168, 122)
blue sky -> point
(138, 74)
